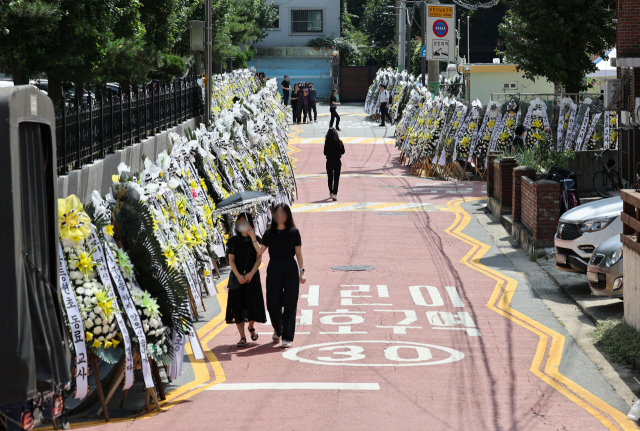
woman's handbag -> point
(233, 282)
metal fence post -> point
(78, 130)
(90, 102)
(64, 138)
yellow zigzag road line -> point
(610, 417)
(294, 140)
(200, 369)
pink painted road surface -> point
(425, 341)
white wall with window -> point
(301, 20)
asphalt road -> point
(442, 334)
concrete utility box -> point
(36, 354)
(483, 79)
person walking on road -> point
(333, 150)
(311, 103)
(294, 103)
(302, 105)
(245, 302)
(333, 104)
(286, 87)
(383, 104)
(283, 276)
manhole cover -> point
(391, 214)
(354, 267)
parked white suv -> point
(582, 229)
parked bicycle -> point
(568, 187)
(608, 179)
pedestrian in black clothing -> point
(333, 150)
(311, 103)
(333, 103)
(283, 277)
(245, 303)
(294, 103)
(302, 105)
(286, 87)
(518, 141)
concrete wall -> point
(586, 167)
(97, 176)
(283, 36)
(315, 69)
(631, 271)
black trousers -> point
(294, 110)
(333, 175)
(334, 115)
(384, 112)
(283, 288)
(312, 107)
(286, 98)
(303, 111)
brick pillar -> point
(516, 204)
(490, 180)
(548, 210)
(507, 165)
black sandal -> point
(254, 334)
(242, 342)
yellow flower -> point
(107, 344)
(614, 135)
(73, 222)
(596, 137)
(115, 178)
(88, 335)
(491, 124)
(161, 174)
(115, 342)
(96, 343)
(429, 121)
(449, 141)
(509, 122)
(465, 140)
(109, 230)
(456, 124)
(105, 302)
(612, 120)
(537, 123)
(85, 263)
(538, 136)
(170, 256)
(207, 273)
(503, 136)
(472, 125)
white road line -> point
(356, 140)
(307, 140)
(293, 386)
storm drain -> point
(354, 268)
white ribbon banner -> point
(103, 272)
(77, 328)
(583, 129)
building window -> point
(276, 23)
(306, 21)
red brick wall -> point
(628, 28)
(490, 176)
(516, 195)
(503, 180)
(540, 207)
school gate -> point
(355, 82)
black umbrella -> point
(242, 200)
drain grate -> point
(392, 214)
(354, 267)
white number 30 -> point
(353, 354)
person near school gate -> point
(383, 104)
(333, 150)
(283, 276)
(302, 105)
(286, 87)
(294, 103)
(245, 302)
(311, 103)
(333, 103)
(518, 141)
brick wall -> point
(490, 177)
(540, 207)
(628, 28)
(516, 194)
(503, 180)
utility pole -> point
(433, 66)
(402, 33)
(209, 58)
(458, 37)
(409, 17)
(423, 34)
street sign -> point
(440, 33)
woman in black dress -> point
(246, 303)
(333, 150)
(294, 103)
(283, 277)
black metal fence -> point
(94, 126)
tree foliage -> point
(380, 27)
(556, 39)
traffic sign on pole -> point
(440, 44)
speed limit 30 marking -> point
(354, 354)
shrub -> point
(619, 340)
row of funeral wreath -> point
(444, 127)
(134, 263)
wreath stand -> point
(96, 376)
(151, 392)
(482, 171)
(427, 168)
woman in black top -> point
(333, 150)
(294, 104)
(333, 102)
(283, 277)
(246, 303)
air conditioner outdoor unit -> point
(613, 97)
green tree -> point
(379, 27)
(556, 39)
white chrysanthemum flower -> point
(98, 330)
(87, 301)
(152, 332)
(146, 312)
(97, 310)
(72, 266)
(88, 323)
(78, 282)
(87, 285)
(110, 336)
(105, 329)
(112, 327)
(94, 300)
(88, 292)
(145, 328)
(97, 321)
(101, 339)
(92, 315)
(80, 290)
